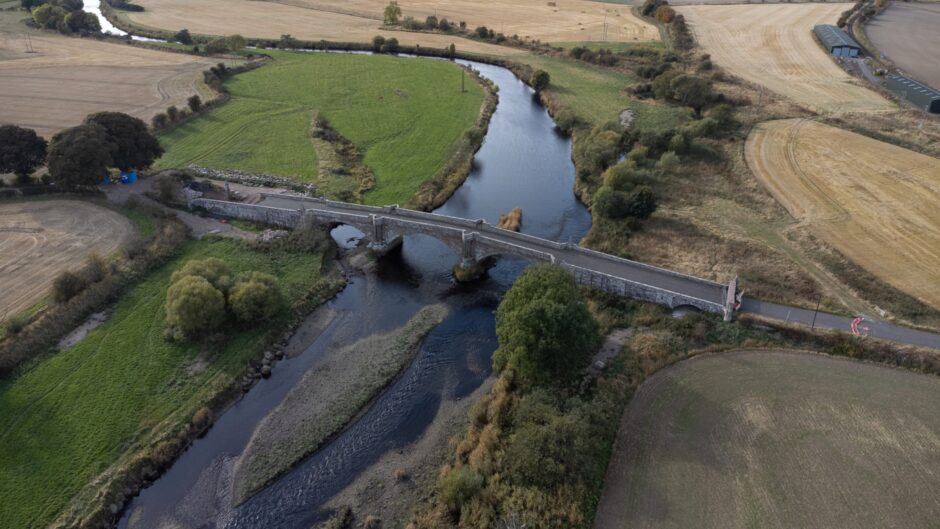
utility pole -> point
(605, 25)
(29, 44)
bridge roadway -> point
(603, 271)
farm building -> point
(838, 42)
(918, 94)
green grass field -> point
(70, 417)
(404, 114)
(597, 94)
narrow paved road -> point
(656, 277)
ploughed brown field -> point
(360, 20)
(776, 439)
(877, 203)
(909, 35)
(69, 78)
(773, 45)
(40, 239)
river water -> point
(524, 162)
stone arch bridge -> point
(474, 240)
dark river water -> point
(523, 163)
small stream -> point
(523, 163)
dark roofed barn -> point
(918, 94)
(838, 42)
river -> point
(524, 162)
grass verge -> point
(403, 114)
(78, 417)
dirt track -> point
(875, 202)
(909, 34)
(69, 78)
(773, 45)
(774, 440)
(360, 20)
(39, 239)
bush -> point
(255, 297)
(679, 143)
(183, 37)
(638, 154)
(641, 203)
(390, 46)
(159, 121)
(194, 102)
(703, 128)
(539, 80)
(668, 162)
(665, 14)
(217, 45)
(545, 331)
(169, 189)
(431, 22)
(598, 150)
(16, 323)
(193, 308)
(66, 286)
(212, 269)
(609, 203)
(459, 486)
(377, 42)
(566, 120)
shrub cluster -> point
(203, 293)
(64, 16)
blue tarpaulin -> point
(129, 177)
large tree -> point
(134, 147)
(80, 156)
(545, 331)
(392, 13)
(21, 151)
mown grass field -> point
(69, 417)
(776, 439)
(597, 95)
(404, 114)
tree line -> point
(82, 155)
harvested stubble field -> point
(69, 78)
(404, 114)
(260, 19)
(570, 20)
(877, 203)
(776, 439)
(909, 34)
(40, 238)
(773, 46)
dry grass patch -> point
(69, 78)
(876, 203)
(776, 439)
(773, 45)
(39, 239)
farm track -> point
(876, 203)
(773, 46)
(62, 233)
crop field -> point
(70, 417)
(40, 238)
(776, 439)
(69, 78)
(262, 19)
(877, 203)
(773, 46)
(908, 34)
(404, 114)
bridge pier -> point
(381, 244)
(469, 268)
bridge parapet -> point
(633, 289)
